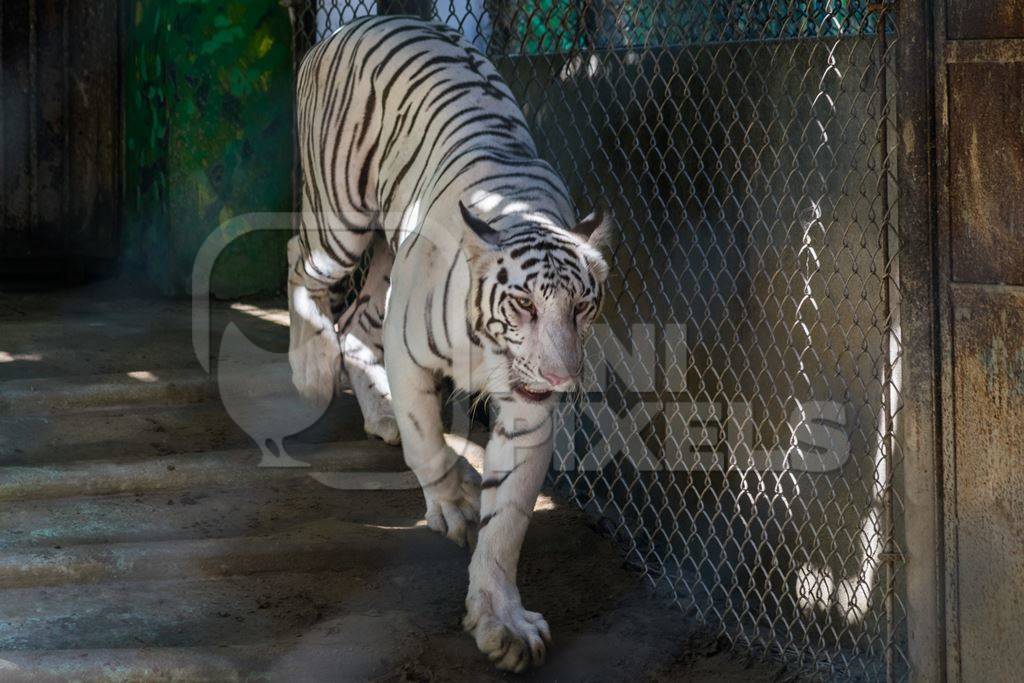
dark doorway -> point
(59, 138)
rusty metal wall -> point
(979, 48)
(59, 133)
(986, 171)
(988, 391)
(978, 19)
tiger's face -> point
(535, 292)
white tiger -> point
(413, 145)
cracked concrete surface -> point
(139, 540)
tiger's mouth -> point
(530, 394)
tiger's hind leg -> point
(314, 351)
(361, 330)
(314, 348)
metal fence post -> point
(303, 17)
(921, 430)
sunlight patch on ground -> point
(273, 315)
(417, 525)
(144, 376)
(544, 503)
(6, 357)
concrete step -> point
(147, 431)
(55, 395)
(144, 431)
(74, 393)
(107, 300)
(192, 612)
(377, 645)
(100, 346)
(313, 546)
(344, 654)
(196, 514)
(137, 664)
(373, 463)
(115, 339)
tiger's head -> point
(535, 290)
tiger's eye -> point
(525, 304)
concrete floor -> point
(140, 540)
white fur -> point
(313, 347)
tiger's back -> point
(396, 115)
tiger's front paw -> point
(384, 428)
(512, 637)
(453, 502)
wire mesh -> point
(740, 431)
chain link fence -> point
(740, 431)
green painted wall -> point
(208, 112)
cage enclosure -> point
(739, 433)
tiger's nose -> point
(555, 379)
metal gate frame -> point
(923, 472)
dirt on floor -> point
(141, 540)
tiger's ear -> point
(480, 237)
(596, 228)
